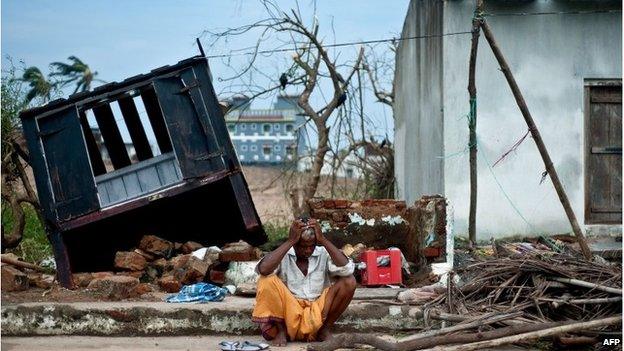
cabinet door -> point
(189, 125)
(67, 165)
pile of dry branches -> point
(514, 299)
(544, 287)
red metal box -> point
(378, 271)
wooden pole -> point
(472, 125)
(22, 264)
(487, 32)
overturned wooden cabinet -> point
(159, 161)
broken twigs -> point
(532, 335)
(22, 264)
(585, 284)
(410, 343)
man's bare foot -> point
(280, 337)
(324, 334)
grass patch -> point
(34, 245)
(277, 232)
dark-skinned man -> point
(305, 285)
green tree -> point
(76, 72)
(16, 188)
(40, 86)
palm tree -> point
(75, 72)
(39, 84)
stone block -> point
(130, 261)
(13, 279)
(114, 287)
(156, 246)
(190, 246)
(169, 284)
(239, 251)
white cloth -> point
(321, 269)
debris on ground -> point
(515, 293)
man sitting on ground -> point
(303, 288)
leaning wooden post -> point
(538, 139)
(472, 124)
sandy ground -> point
(267, 186)
(74, 343)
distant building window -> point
(243, 126)
(244, 148)
(289, 128)
(254, 148)
(266, 128)
(266, 150)
(231, 128)
(277, 148)
(253, 126)
(349, 172)
(276, 126)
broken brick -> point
(328, 204)
(169, 284)
(43, 281)
(140, 289)
(135, 274)
(191, 246)
(239, 251)
(114, 287)
(82, 279)
(177, 247)
(316, 203)
(341, 203)
(13, 279)
(155, 245)
(159, 264)
(99, 275)
(130, 260)
(217, 276)
(177, 262)
(147, 256)
(192, 271)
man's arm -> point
(271, 261)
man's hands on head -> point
(294, 234)
(318, 233)
(298, 227)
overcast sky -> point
(119, 39)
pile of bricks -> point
(420, 231)
(336, 211)
(155, 264)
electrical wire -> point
(493, 14)
(351, 43)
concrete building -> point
(568, 66)
(266, 136)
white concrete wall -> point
(418, 107)
(550, 56)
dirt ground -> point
(267, 186)
(60, 294)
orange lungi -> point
(275, 303)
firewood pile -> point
(519, 298)
(543, 287)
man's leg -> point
(336, 302)
(270, 309)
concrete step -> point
(231, 316)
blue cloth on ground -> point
(199, 292)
